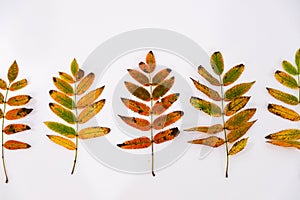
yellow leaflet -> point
(138, 123)
(63, 86)
(85, 84)
(68, 144)
(90, 111)
(214, 95)
(284, 97)
(1, 98)
(3, 84)
(288, 134)
(237, 90)
(166, 120)
(237, 133)
(238, 146)
(205, 74)
(240, 118)
(93, 132)
(139, 77)
(63, 113)
(18, 100)
(62, 99)
(13, 72)
(284, 112)
(235, 105)
(207, 129)
(89, 98)
(286, 79)
(66, 77)
(74, 67)
(285, 143)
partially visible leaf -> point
(89, 98)
(17, 113)
(238, 146)
(162, 105)
(63, 113)
(18, 85)
(15, 128)
(150, 60)
(289, 68)
(62, 99)
(207, 107)
(240, 118)
(211, 141)
(284, 112)
(63, 86)
(138, 123)
(286, 79)
(139, 77)
(207, 129)
(205, 74)
(93, 132)
(15, 145)
(288, 134)
(74, 67)
(136, 106)
(284, 97)
(1, 113)
(237, 133)
(13, 72)
(3, 84)
(217, 63)
(68, 144)
(161, 89)
(297, 59)
(85, 84)
(138, 143)
(233, 74)
(235, 105)
(214, 95)
(166, 135)
(161, 76)
(166, 120)
(90, 111)
(18, 100)
(285, 143)
(79, 75)
(237, 90)
(137, 91)
(66, 77)
(61, 129)
(1, 98)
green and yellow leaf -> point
(139, 77)
(285, 143)
(297, 59)
(160, 76)
(89, 98)
(237, 90)
(61, 129)
(138, 123)
(237, 133)
(17, 113)
(289, 68)
(90, 111)
(63, 113)
(18, 85)
(284, 112)
(288, 134)
(66, 77)
(240, 118)
(3, 84)
(284, 97)
(286, 79)
(166, 120)
(205, 74)
(68, 144)
(235, 105)
(62, 99)
(74, 67)
(233, 74)
(207, 107)
(211, 141)
(214, 95)
(217, 63)
(15, 128)
(138, 91)
(15, 145)
(166, 135)
(162, 105)
(18, 100)
(63, 86)
(138, 143)
(13, 72)
(85, 84)
(161, 89)
(238, 146)
(136, 106)
(217, 128)
(93, 132)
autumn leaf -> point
(240, 131)
(18, 85)
(289, 68)
(74, 67)
(61, 129)
(207, 129)
(13, 72)
(15, 145)
(63, 86)
(150, 60)
(211, 141)
(166, 135)
(15, 128)
(284, 97)
(288, 134)
(286, 80)
(89, 98)
(62, 99)
(217, 63)
(93, 132)
(3, 84)
(205, 74)
(138, 143)
(68, 144)
(136, 106)
(66, 77)
(237, 90)
(238, 146)
(166, 120)
(297, 59)
(214, 95)
(235, 105)
(166, 102)
(138, 123)
(85, 84)
(207, 107)
(17, 113)
(284, 112)
(285, 143)
(90, 111)
(233, 74)
(1, 113)
(161, 89)
(138, 76)
(18, 100)
(1, 98)
(63, 113)
(240, 118)
(137, 91)
(161, 76)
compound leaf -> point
(63, 86)
(13, 72)
(68, 144)
(63, 113)
(235, 105)
(289, 68)
(62, 99)
(161, 89)
(61, 129)
(15, 145)
(211, 141)
(138, 123)
(18, 100)
(237, 133)
(166, 120)
(238, 146)
(162, 105)
(15, 128)
(286, 79)
(240, 118)
(139, 77)
(138, 143)
(166, 135)
(18, 85)
(161, 76)
(85, 84)
(17, 113)
(284, 97)
(214, 95)
(205, 74)
(138, 91)
(233, 74)
(90, 111)
(89, 98)
(207, 129)
(284, 112)
(93, 132)
(207, 107)
(217, 63)
(288, 134)
(237, 90)
(136, 106)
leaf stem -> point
(2, 135)
(151, 128)
(76, 136)
(224, 130)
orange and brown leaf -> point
(90, 111)
(211, 141)
(1, 98)
(63, 86)
(161, 89)
(284, 97)
(17, 113)
(285, 143)
(15, 145)
(3, 84)
(240, 118)
(162, 105)
(85, 84)
(89, 98)
(18, 85)
(288, 134)
(237, 133)
(62, 99)
(160, 76)
(1, 113)
(138, 123)
(93, 132)
(138, 91)
(217, 128)
(138, 143)
(166, 120)
(18, 100)
(68, 144)
(236, 105)
(139, 77)
(214, 95)
(238, 146)
(136, 106)
(284, 112)
(63, 113)
(150, 60)
(166, 135)
(205, 74)
(15, 128)
(207, 107)
(13, 72)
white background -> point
(44, 36)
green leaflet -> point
(74, 67)
(61, 129)
(18, 85)
(138, 91)
(238, 90)
(207, 107)
(284, 97)
(239, 119)
(289, 68)
(217, 63)
(161, 89)
(62, 99)
(233, 74)
(63, 86)
(297, 59)
(63, 113)
(286, 79)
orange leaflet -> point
(138, 143)
(15, 145)
(137, 91)
(13, 72)
(211, 141)
(18, 85)
(162, 105)
(18, 100)
(136, 106)
(63, 86)
(150, 60)
(17, 113)
(166, 135)
(166, 120)
(15, 128)
(138, 123)
(139, 77)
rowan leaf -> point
(235, 105)
(286, 79)
(63, 86)
(214, 95)
(288, 134)
(161, 89)
(93, 132)
(138, 91)
(138, 123)
(85, 84)
(3, 84)
(166, 120)
(285, 143)
(62, 99)
(18, 85)
(205, 74)
(217, 63)
(68, 144)
(18, 100)
(17, 113)
(139, 77)
(1, 98)
(217, 128)
(160, 76)
(240, 118)
(238, 146)
(137, 143)
(297, 59)
(238, 90)
(13, 72)
(166, 135)
(90, 111)
(289, 68)
(15, 145)
(150, 60)
(284, 97)
(238, 132)
(162, 105)
(15, 128)
(233, 74)
(61, 129)
(136, 106)
(63, 113)
(207, 107)
(211, 141)
(89, 98)
(284, 112)
(66, 77)
(74, 67)
(1, 114)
